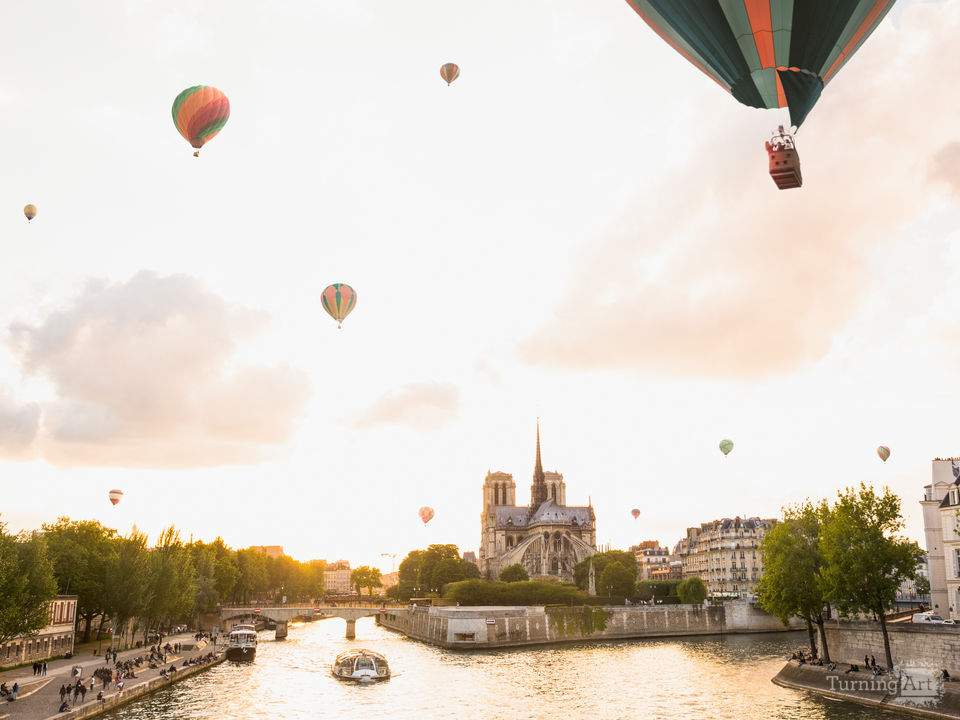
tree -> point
(581, 571)
(433, 556)
(692, 591)
(409, 570)
(365, 577)
(794, 564)
(470, 570)
(866, 559)
(922, 585)
(128, 579)
(446, 571)
(27, 585)
(617, 580)
(514, 573)
(79, 550)
(170, 593)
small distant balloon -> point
(30, 211)
(635, 513)
(115, 496)
(338, 300)
(726, 446)
(884, 452)
(426, 514)
(450, 72)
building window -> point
(464, 637)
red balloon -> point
(635, 513)
(115, 496)
(426, 514)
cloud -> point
(715, 273)
(424, 406)
(945, 165)
(146, 374)
(18, 425)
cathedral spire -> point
(538, 492)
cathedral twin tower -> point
(546, 537)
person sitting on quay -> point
(3, 690)
(852, 668)
(944, 675)
(64, 707)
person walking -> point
(83, 694)
(63, 691)
(44, 668)
(16, 687)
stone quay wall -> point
(494, 627)
(936, 646)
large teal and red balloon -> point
(450, 72)
(338, 300)
(884, 452)
(199, 113)
(767, 53)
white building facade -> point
(940, 533)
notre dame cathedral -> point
(547, 538)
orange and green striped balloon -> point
(884, 452)
(199, 113)
(338, 300)
(450, 72)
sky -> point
(580, 229)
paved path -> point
(39, 697)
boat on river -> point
(242, 642)
(362, 665)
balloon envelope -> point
(199, 113)
(30, 211)
(726, 446)
(115, 496)
(635, 513)
(339, 300)
(884, 452)
(767, 53)
(426, 514)
(450, 72)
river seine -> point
(675, 679)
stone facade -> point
(725, 555)
(548, 537)
(55, 639)
(940, 504)
(336, 578)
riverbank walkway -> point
(38, 697)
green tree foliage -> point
(470, 570)
(514, 573)
(794, 564)
(866, 559)
(252, 576)
(430, 581)
(446, 571)
(403, 590)
(617, 580)
(171, 590)
(485, 592)
(27, 584)
(80, 550)
(128, 579)
(657, 589)
(692, 591)
(581, 571)
(365, 577)
(922, 585)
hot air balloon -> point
(726, 446)
(30, 211)
(338, 300)
(635, 513)
(199, 113)
(884, 452)
(768, 53)
(115, 496)
(450, 72)
(426, 514)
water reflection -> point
(671, 679)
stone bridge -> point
(285, 613)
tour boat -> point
(242, 642)
(362, 665)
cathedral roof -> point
(548, 511)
